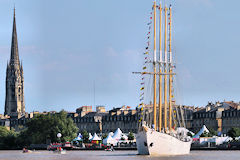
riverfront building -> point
(219, 116)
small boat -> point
(26, 150)
(60, 151)
(109, 149)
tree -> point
(204, 134)
(7, 138)
(234, 132)
(212, 132)
(85, 136)
(45, 127)
(130, 136)
(104, 136)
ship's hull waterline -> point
(150, 142)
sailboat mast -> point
(165, 70)
(160, 70)
(170, 68)
(155, 74)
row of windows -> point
(85, 119)
(205, 115)
(231, 114)
(119, 118)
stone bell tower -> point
(14, 102)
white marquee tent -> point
(202, 130)
(109, 140)
(90, 136)
(118, 135)
(96, 138)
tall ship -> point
(160, 136)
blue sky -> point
(66, 46)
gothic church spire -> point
(14, 101)
(14, 59)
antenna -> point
(94, 93)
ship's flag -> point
(149, 23)
(146, 53)
(142, 99)
(141, 94)
(148, 37)
(142, 83)
(146, 48)
(143, 78)
(142, 88)
(144, 67)
(145, 58)
(142, 109)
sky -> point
(69, 46)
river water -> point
(116, 155)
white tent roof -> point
(124, 136)
(109, 140)
(117, 134)
(202, 130)
(95, 138)
(111, 134)
(90, 136)
(78, 138)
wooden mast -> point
(170, 69)
(160, 71)
(165, 70)
(155, 75)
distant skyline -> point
(67, 45)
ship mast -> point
(170, 69)
(155, 74)
(160, 70)
(165, 71)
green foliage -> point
(211, 133)
(130, 136)
(7, 138)
(85, 136)
(234, 132)
(45, 127)
(204, 134)
(104, 136)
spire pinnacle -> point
(14, 48)
(14, 10)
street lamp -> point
(59, 135)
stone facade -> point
(231, 118)
(219, 116)
(14, 102)
(123, 118)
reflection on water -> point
(116, 155)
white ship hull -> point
(150, 142)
